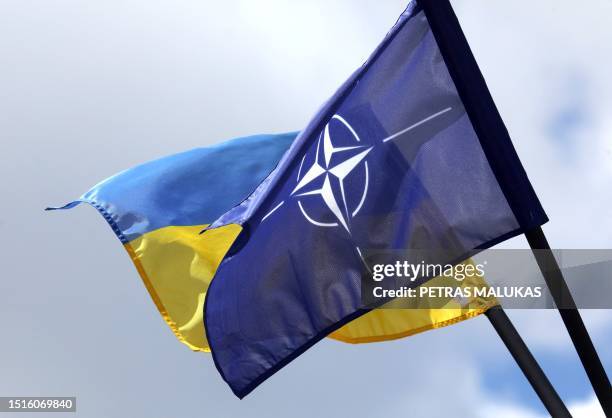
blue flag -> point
(410, 153)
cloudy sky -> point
(91, 88)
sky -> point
(91, 88)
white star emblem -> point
(322, 167)
(356, 154)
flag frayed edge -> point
(139, 268)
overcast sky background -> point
(91, 88)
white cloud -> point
(585, 409)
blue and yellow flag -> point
(158, 209)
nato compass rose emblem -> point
(337, 175)
(327, 174)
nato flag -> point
(410, 153)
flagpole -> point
(497, 146)
(571, 317)
(527, 363)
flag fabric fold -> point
(158, 209)
(402, 157)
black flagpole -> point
(571, 318)
(528, 364)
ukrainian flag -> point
(158, 209)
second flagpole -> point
(528, 364)
(571, 318)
